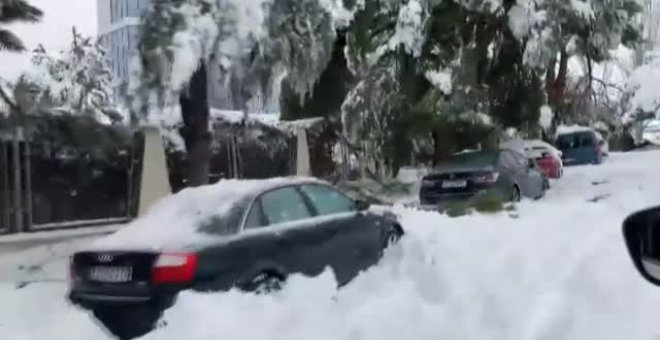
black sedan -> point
(504, 172)
(261, 235)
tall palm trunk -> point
(195, 131)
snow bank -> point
(175, 221)
(554, 269)
(40, 312)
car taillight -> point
(488, 178)
(174, 268)
(72, 269)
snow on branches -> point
(74, 81)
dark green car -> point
(504, 172)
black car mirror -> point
(641, 232)
(531, 164)
(362, 205)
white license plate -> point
(111, 274)
(454, 184)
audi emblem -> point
(105, 258)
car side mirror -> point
(362, 205)
(641, 232)
(531, 164)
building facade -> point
(118, 27)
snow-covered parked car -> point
(250, 235)
(651, 134)
(546, 156)
(506, 173)
(581, 145)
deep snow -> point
(552, 269)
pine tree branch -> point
(10, 42)
(19, 10)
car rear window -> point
(576, 140)
(474, 158)
(226, 223)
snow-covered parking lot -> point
(552, 269)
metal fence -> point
(48, 181)
(5, 201)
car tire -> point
(266, 282)
(544, 187)
(128, 322)
(393, 236)
(515, 194)
(598, 160)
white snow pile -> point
(341, 16)
(441, 79)
(545, 119)
(409, 31)
(191, 45)
(643, 84)
(176, 221)
(556, 268)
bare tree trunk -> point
(195, 131)
(6, 207)
(18, 187)
(558, 87)
(28, 185)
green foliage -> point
(485, 203)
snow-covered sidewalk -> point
(17, 242)
(552, 269)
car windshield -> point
(473, 159)
(576, 140)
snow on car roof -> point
(566, 129)
(535, 143)
(175, 221)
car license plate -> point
(454, 184)
(111, 274)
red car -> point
(546, 156)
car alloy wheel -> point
(392, 239)
(266, 283)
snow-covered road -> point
(552, 269)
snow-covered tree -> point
(252, 42)
(644, 98)
(75, 81)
